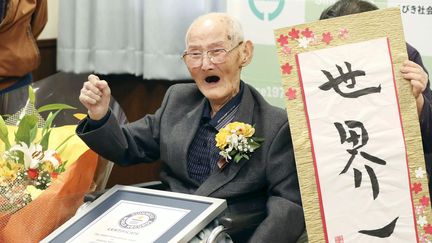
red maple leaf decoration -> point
(294, 34)
(307, 33)
(286, 68)
(424, 201)
(283, 40)
(291, 93)
(417, 187)
(327, 37)
(428, 229)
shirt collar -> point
(226, 109)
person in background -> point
(412, 70)
(21, 22)
(261, 188)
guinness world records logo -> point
(260, 14)
(137, 220)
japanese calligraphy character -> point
(358, 141)
(333, 83)
(383, 232)
(421, 9)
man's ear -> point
(247, 53)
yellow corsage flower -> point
(236, 141)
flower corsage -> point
(236, 141)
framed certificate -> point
(132, 214)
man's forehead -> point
(208, 38)
(210, 30)
(212, 20)
(200, 44)
(208, 26)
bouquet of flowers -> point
(44, 171)
(28, 167)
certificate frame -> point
(201, 211)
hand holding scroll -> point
(414, 73)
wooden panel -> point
(48, 65)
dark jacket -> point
(264, 185)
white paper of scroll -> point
(339, 116)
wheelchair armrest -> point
(157, 185)
(215, 234)
(235, 222)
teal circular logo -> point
(261, 14)
(137, 220)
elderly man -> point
(261, 186)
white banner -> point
(358, 178)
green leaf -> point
(254, 145)
(33, 132)
(57, 106)
(23, 134)
(31, 95)
(64, 141)
(258, 139)
(20, 155)
(48, 123)
(232, 153)
(238, 157)
(62, 167)
(45, 140)
(4, 133)
(61, 149)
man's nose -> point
(206, 63)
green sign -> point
(261, 14)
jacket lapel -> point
(219, 178)
(186, 129)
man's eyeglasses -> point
(194, 59)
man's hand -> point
(95, 96)
(414, 73)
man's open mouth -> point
(212, 79)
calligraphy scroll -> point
(355, 129)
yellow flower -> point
(221, 139)
(240, 128)
(9, 171)
(47, 166)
